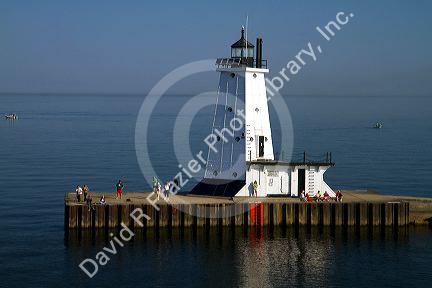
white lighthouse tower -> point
(240, 146)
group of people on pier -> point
(319, 197)
(83, 196)
(83, 193)
(158, 189)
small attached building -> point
(289, 179)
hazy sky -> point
(127, 46)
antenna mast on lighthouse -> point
(247, 20)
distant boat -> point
(11, 117)
(378, 125)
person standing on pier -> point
(154, 184)
(255, 188)
(158, 190)
(89, 203)
(86, 190)
(119, 187)
(167, 190)
(339, 196)
(79, 192)
(156, 187)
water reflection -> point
(254, 257)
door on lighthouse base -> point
(301, 181)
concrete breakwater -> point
(213, 212)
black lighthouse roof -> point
(242, 43)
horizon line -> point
(188, 94)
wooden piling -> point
(392, 214)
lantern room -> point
(242, 49)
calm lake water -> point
(61, 141)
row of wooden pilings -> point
(256, 214)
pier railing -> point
(305, 158)
(240, 62)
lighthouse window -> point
(244, 52)
(236, 52)
(232, 75)
(250, 52)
